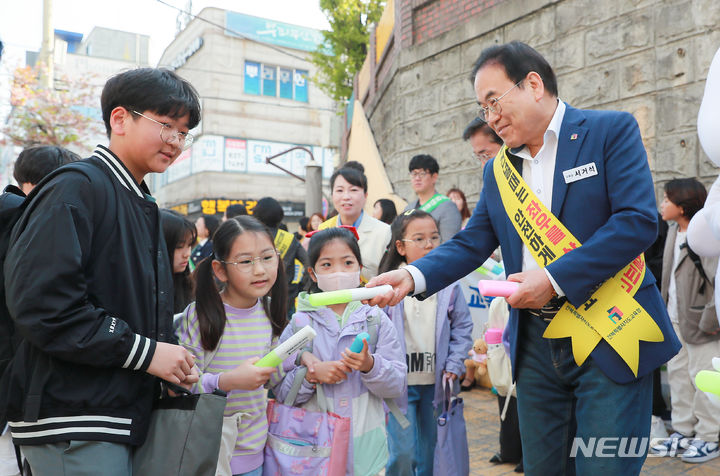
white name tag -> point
(579, 173)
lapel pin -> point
(573, 137)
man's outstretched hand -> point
(402, 284)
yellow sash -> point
(283, 240)
(330, 223)
(611, 313)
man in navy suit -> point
(613, 214)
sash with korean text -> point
(611, 313)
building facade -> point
(252, 76)
(647, 57)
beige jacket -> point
(696, 312)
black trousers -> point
(510, 445)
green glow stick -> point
(342, 296)
(296, 342)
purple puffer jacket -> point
(360, 397)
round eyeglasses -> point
(493, 104)
(170, 134)
(424, 242)
(246, 265)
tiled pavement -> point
(483, 425)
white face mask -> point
(340, 280)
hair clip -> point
(352, 229)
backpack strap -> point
(373, 322)
(295, 326)
(698, 264)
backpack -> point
(13, 204)
(698, 264)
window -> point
(268, 80)
(276, 81)
(286, 83)
(252, 78)
(301, 88)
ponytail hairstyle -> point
(319, 239)
(178, 231)
(392, 259)
(209, 305)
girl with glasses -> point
(435, 338)
(229, 329)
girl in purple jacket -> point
(435, 336)
(355, 384)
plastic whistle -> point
(357, 345)
(493, 266)
(296, 342)
(342, 296)
(497, 288)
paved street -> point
(483, 425)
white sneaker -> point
(669, 446)
(657, 428)
(700, 451)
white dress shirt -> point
(538, 173)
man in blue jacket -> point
(589, 170)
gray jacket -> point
(696, 312)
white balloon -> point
(701, 234)
(709, 114)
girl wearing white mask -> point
(355, 384)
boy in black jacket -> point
(89, 285)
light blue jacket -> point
(453, 330)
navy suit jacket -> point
(200, 252)
(613, 214)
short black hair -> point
(354, 174)
(211, 223)
(478, 125)
(518, 59)
(424, 162)
(235, 210)
(269, 212)
(158, 90)
(303, 222)
(688, 194)
(34, 163)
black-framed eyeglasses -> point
(169, 134)
(419, 174)
(493, 104)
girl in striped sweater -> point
(230, 329)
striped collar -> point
(120, 172)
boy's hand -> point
(330, 372)
(191, 379)
(172, 363)
(361, 361)
(245, 376)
